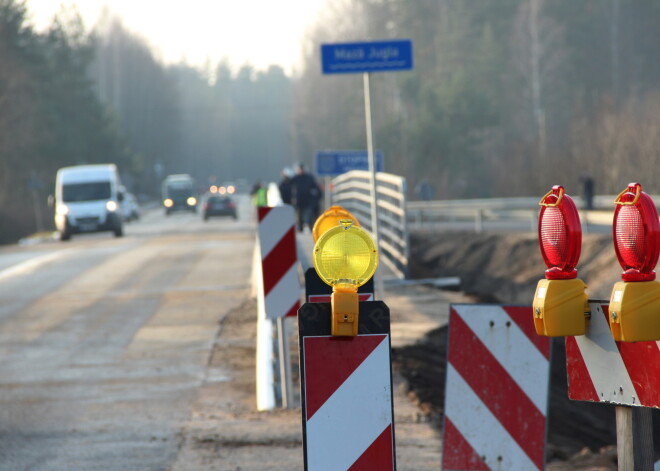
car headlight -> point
(62, 209)
(111, 206)
(168, 203)
(192, 201)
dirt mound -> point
(504, 268)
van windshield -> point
(89, 191)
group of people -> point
(300, 190)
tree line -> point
(506, 98)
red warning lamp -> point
(634, 310)
(560, 303)
(636, 234)
(560, 234)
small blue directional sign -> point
(377, 56)
(335, 162)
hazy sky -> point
(261, 32)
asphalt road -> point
(104, 341)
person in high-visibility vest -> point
(259, 194)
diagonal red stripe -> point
(294, 310)
(262, 212)
(580, 385)
(379, 456)
(642, 360)
(524, 318)
(457, 453)
(497, 390)
(279, 260)
(329, 361)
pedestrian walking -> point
(305, 195)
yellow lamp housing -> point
(345, 257)
(560, 307)
(329, 219)
(634, 311)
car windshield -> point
(89, 191)
(179, 191)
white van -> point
(88, 199)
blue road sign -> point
(336, 162)
(378, 56)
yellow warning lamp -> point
(329, 219)
(345, 257)
(560, 305)
(634, 311)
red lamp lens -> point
(560, 234)
(636, 234)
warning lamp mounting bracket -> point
(560, 196)
(638, 192)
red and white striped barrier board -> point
(279, 261)
(346, 392)
(602, 370)
(496, 391)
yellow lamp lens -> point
(345, 255)
(329, 219)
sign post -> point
(366, 57)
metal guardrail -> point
(473, 213)
(395, 215)
(352, 190)
(519, 213)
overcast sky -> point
(261, 32)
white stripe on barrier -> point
(480, 428)
(275, 226)
(353, 404)
(604, 364)
(523, 362)
(284, 294)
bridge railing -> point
(352, 190)
(518, 213)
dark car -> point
(217, 205)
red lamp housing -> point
(560, 234)
(636, 234)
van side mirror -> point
(51, 201)
(120, 196)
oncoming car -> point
(179, 193)
(219, 205)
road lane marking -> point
(31, 265)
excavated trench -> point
(504, 269)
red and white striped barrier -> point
(348, 403)
(280, 289)
(496, 391)
(602, 370)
